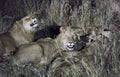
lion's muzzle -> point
(70, 45)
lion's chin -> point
(34, 29)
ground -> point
(100, 59)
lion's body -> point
(7, 43)
(18, 35)
(44, 49)
(97, 33)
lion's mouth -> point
(34, 25)
(70, 46)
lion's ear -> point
(19, 22)
(62, 29)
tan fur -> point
(21, 33)
(98, 32)
(44, 49)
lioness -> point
(43, 49)
(97, 33)
(22, 32)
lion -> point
(43, 49)
(22, 32)
(97, 33)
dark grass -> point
(100, 59)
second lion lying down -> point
(22, 32)
(43, 49)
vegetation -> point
(100, 59)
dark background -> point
(83, 13)
(2, 2)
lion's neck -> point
(19, 39)
(20, 35)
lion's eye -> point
(33, 17)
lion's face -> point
(69, 37)
(30, 23)
(69, 43)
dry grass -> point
(100, 59)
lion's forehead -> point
(69, 38)
(29, 18)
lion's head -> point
(68, 37)
(23, 30)
(30, 23)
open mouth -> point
(70, 46)
(34, 25)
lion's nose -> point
(71, 43)
(32, 24)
